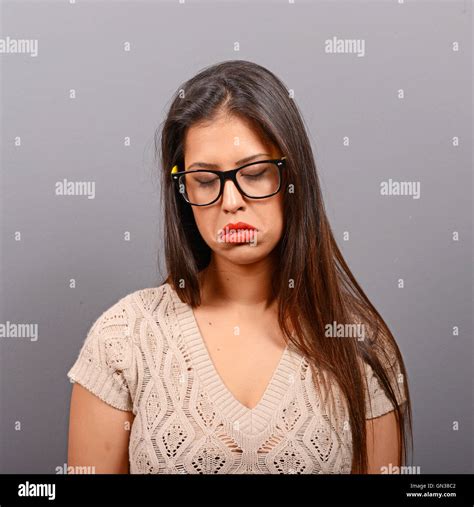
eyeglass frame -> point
(230, 175)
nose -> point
(232, 199)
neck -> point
(237, 285)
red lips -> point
(239, 225)
(238, 233)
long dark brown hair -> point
(312, 282)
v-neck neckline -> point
(282, 379)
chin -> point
(244, 253)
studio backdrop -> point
(385, 90)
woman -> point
(244, 359)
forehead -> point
(223, 137)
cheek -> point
(273, 219)
(204, 221)
(278, 213)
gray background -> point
(123, 94)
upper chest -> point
(245, 348)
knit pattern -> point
(146, 354)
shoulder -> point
(112, 335)
(379, 344)
(377, 400)
(107, 361)
(135, 305)
(151, 300)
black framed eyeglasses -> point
(256, 180)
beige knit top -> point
(145, 354)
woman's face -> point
(224, 142)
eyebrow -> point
(239, 162)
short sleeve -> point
(105, 358)
(378, 403)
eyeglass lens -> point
(257, 180)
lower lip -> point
(239, 236)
